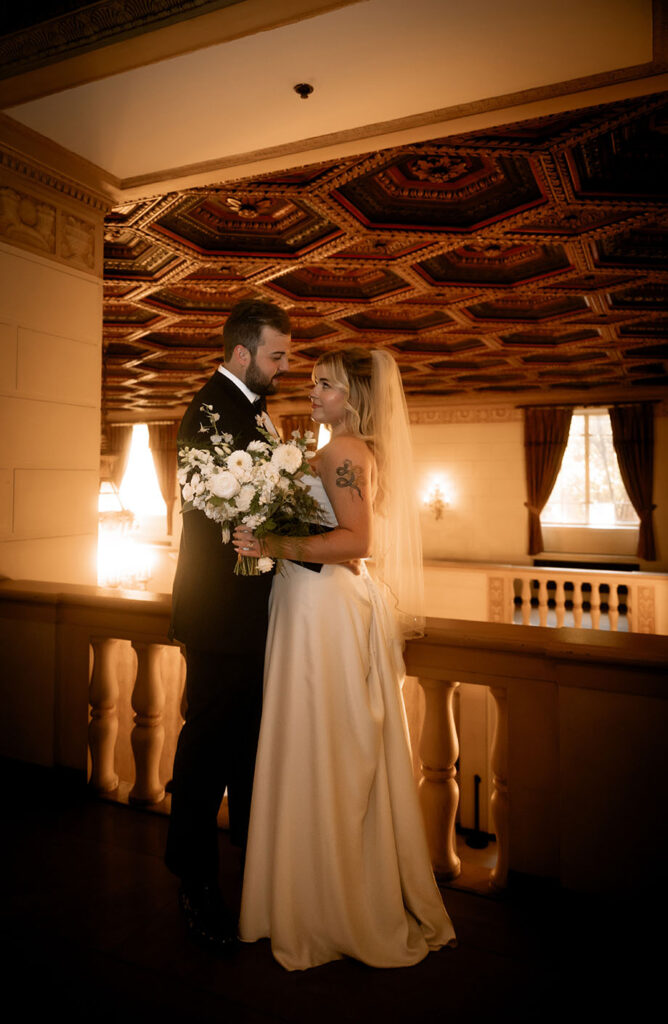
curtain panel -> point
(633, 438)
(162, 442)
(119, 439)
(545, 439)
(301, 422)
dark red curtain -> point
(545, 439)
(633, 438)
(162, 442)
(119, 439)
(301, 422)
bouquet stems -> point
(246, 566)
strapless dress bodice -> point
(316, 488)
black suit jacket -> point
(212, 609)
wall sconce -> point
(435, 499)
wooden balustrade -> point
(565, 699)
(573, 597)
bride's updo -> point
(350, 369)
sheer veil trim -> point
(397, 543)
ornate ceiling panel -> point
(527, 259)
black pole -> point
(476, 839)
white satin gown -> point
(337, 861)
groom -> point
(222, 620)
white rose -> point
(240, 463)
(187, 492)
(265, 564)
(224, 484)
(244, 497)
(287, 457)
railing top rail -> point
(563, 642)
(474, 651)
(503, 654)
(541, 570)
(38, 592)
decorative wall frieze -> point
(49, 223)
(464, 414)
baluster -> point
(631, 607)
(148, 733)
(103, 726)
(542, 601)
(613, 606)
(595, 605)
(526, 602)
(498, 878)
(439, 793)
(560, 602)
(577, 604)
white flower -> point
(244, 497)
(223, 484)
(258, 446)
(253, 521)
(265, 564)
(287, 457)
(187, 492)
(225, 531)
(240, 463)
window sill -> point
(590, 540)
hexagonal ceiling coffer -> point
(329, 284)
(271, 226)
(495, 264)
(451, 192)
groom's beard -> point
(260, 382)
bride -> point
(337, 861)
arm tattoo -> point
(347, 476)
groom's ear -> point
(242, 354)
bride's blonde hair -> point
(375, 410)
(351, 369)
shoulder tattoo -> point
(347, 475)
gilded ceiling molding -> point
(114, 36)
(90, 27)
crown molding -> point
(628, 83)
(32, 155)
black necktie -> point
(260, 404)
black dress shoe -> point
(210, 922)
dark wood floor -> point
(91, 932)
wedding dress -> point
(337, 861)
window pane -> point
(567, 502)
(605, 501)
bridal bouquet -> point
(258, 486)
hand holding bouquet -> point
(258, 487)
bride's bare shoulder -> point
(345, 446)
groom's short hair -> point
(245, 323)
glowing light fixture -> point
(435, 498)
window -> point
(589, 489)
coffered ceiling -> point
(479, 187)
(529, 260)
